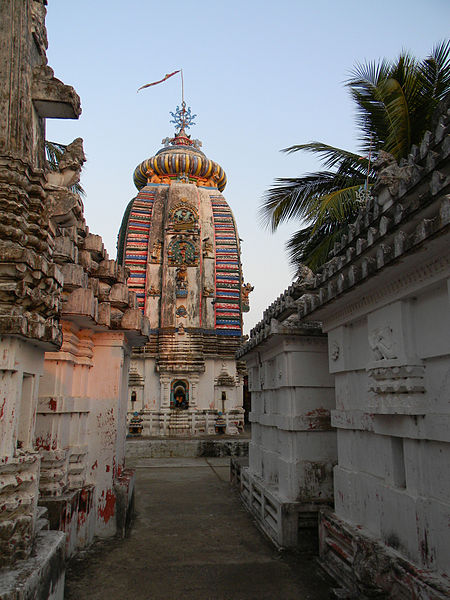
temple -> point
(179, 240)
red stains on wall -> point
(46, 443)
(106, 424)
(107, 511)
(2, 409)
(84, 506)
(95, 465)
(52, 404)
(319, 419)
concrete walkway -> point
(191, 540)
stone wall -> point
(293, 448)
(67, 324)
(383, 301)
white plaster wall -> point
(392, 474)
(292, 448)
(18, 393)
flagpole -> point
(182, 87)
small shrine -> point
(180, 242)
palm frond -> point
(312, 249)
(338, 206)
(395, 101)
(331, 156)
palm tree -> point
(395, 104)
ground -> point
(191, 539)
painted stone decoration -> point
(182, 251)
(181, 311)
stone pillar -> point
(108, 384)
(165, 391)
(20, 368)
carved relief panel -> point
(396, 373)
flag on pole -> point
(161, 80)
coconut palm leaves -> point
(395, 102)
(53, 154)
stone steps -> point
(187, 448)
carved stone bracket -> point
(396, 388)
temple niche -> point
(179, 240)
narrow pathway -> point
(191, 539)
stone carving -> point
(181, 282)
(245, 291)
(212, 181)
(305, 276)
(382, 344)
(181, 278)
(334, 351)
(70, 165)
(390, 175)
(153, 291)
(184, 217)
(38, 28)
(182, 251)
(181, 311)
(208, 248)
(156, 252)
(152, 177)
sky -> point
(261, 76)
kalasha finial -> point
(182, 118)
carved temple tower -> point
(180, 242)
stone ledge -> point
(168, 448)
(432, 427)
(366, 568)
(42, 575)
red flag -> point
(160, 81)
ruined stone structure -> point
(383, 303)
(179, 240)
(62, 426)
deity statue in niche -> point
(181, 278)
(207, 248)
(184, 216)
(182, 252)
(156, 252)
(179, 394)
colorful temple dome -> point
(182, 160)
(180, 242)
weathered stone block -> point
(65, 250)
(94, 245)
(81, 302)
(74, 276)
(104, 314)
(118, 295)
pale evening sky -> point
(261, 76)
